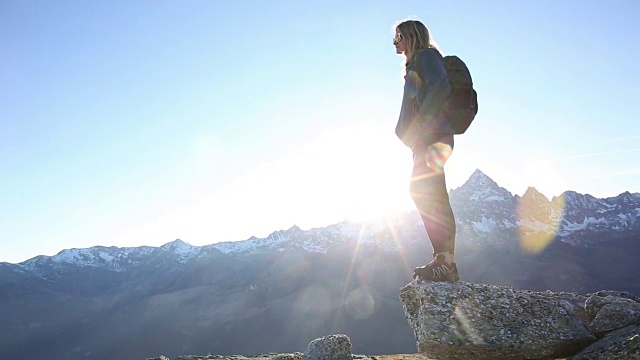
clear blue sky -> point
(138, 122)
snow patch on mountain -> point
(487, 195)
(234, 247)
(314, 246)
(254, 244)
(588, 222)
(480, 205)
(185, 251)
(538, 226)
(112, 258)
(485, 225)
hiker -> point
(423, 127)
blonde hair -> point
(417, 36)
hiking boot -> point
(437, 270)
(455, 277)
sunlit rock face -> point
(331, 347)
(611, 310)
(474, 321)
(622, 344)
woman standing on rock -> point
(423, 127)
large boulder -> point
(610, 310)
(621, 344)
(331, 347)
(477, 321)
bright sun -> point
(358, 173)
(355, 172)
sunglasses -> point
(397, 38)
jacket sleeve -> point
(434, 78)
(407, 121)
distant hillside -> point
(277, 294)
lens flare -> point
(360, 304)
(467, 326)
(538, 221)
(314, 299)
(412, 83)
(437, 155)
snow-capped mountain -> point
(113, 258)
(319, 240)
(483, 208)
(584, 213)
(232, 297)
(484, 212)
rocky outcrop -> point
(481, 322)
(476, 321)
(332, 347)
(610, 310)
(622, 344)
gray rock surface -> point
(226, 357)
(294, 356)
(286, 356)
(477, 321)
(611, 310)
(622, 344)
(331, 347)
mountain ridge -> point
(276, 294)
(493, 207)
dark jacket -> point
(426, 89)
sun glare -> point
(355, 173)
(538, 226)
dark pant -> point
(429, 192)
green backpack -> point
(461, 106)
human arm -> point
(433, 75)
(408, 120)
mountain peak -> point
(478, 175)
(180, 247)
(533, 194)
(176, 242)
(480, 187)
(583, 201)
(480, 179)
(282, 235)
(628, 197)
